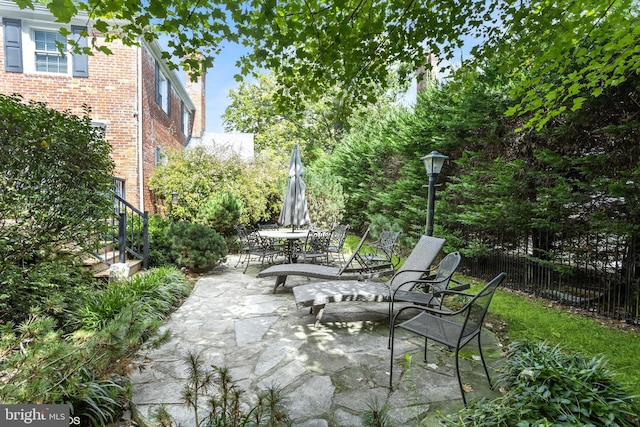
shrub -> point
(152, 295)
(159, 245)
(325, 197)
(194, 176)
(195, 246)
(221, 212)
(50, 287)
(546, 386)
(41, 364)
(55, 172)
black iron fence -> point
(594, 271)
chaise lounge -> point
(356, 268)
(412, 272)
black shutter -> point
(12, 45)
(158, 93)
(80, 61)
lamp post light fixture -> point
(173, 202)
(433, 162)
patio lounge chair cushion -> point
(417, 264)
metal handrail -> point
(129, 232)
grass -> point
(539, 320)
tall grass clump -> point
(86, 368)
(151, 295)
(546, 386)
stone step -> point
(132, 265)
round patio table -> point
(290, 236)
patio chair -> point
(412, 271)
(355, 268)
(316, 247)
(336, 244)
(251, 244)
(276, 244)
(454, 329)
(427, 291)
(382, 249)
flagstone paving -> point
(330, 373)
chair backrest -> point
(446, 268)
(477, 308)
(386, 242)
(318, 240)
(338, 237)
(241, 231)
(418, 261)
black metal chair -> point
(336, 243)
(426, 290)
(277, 244)
(454, 329)
(382, 249)
(316, 247)
(251, 244)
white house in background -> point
(219, 143)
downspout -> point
(139, 131)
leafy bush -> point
(221, 212)
(55, 172)
(546, 386)
(195, 246)
(325, 198)
(159, 245)
(50, 287)
(195, 175)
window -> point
(48, 57)
(31, 47)
(161, 158)
(163, 91)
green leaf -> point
(577, 103)
(63, 10)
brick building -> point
(142, 104)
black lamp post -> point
(174, 201)
(433, 163)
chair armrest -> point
(460, 285)
(446, 292)
(430, 310)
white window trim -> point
(164, 92)
(185, 120)
(29, 49)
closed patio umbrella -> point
(294, 208)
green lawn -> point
(537, 320)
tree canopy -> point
(356, 45)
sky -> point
(219, 81)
